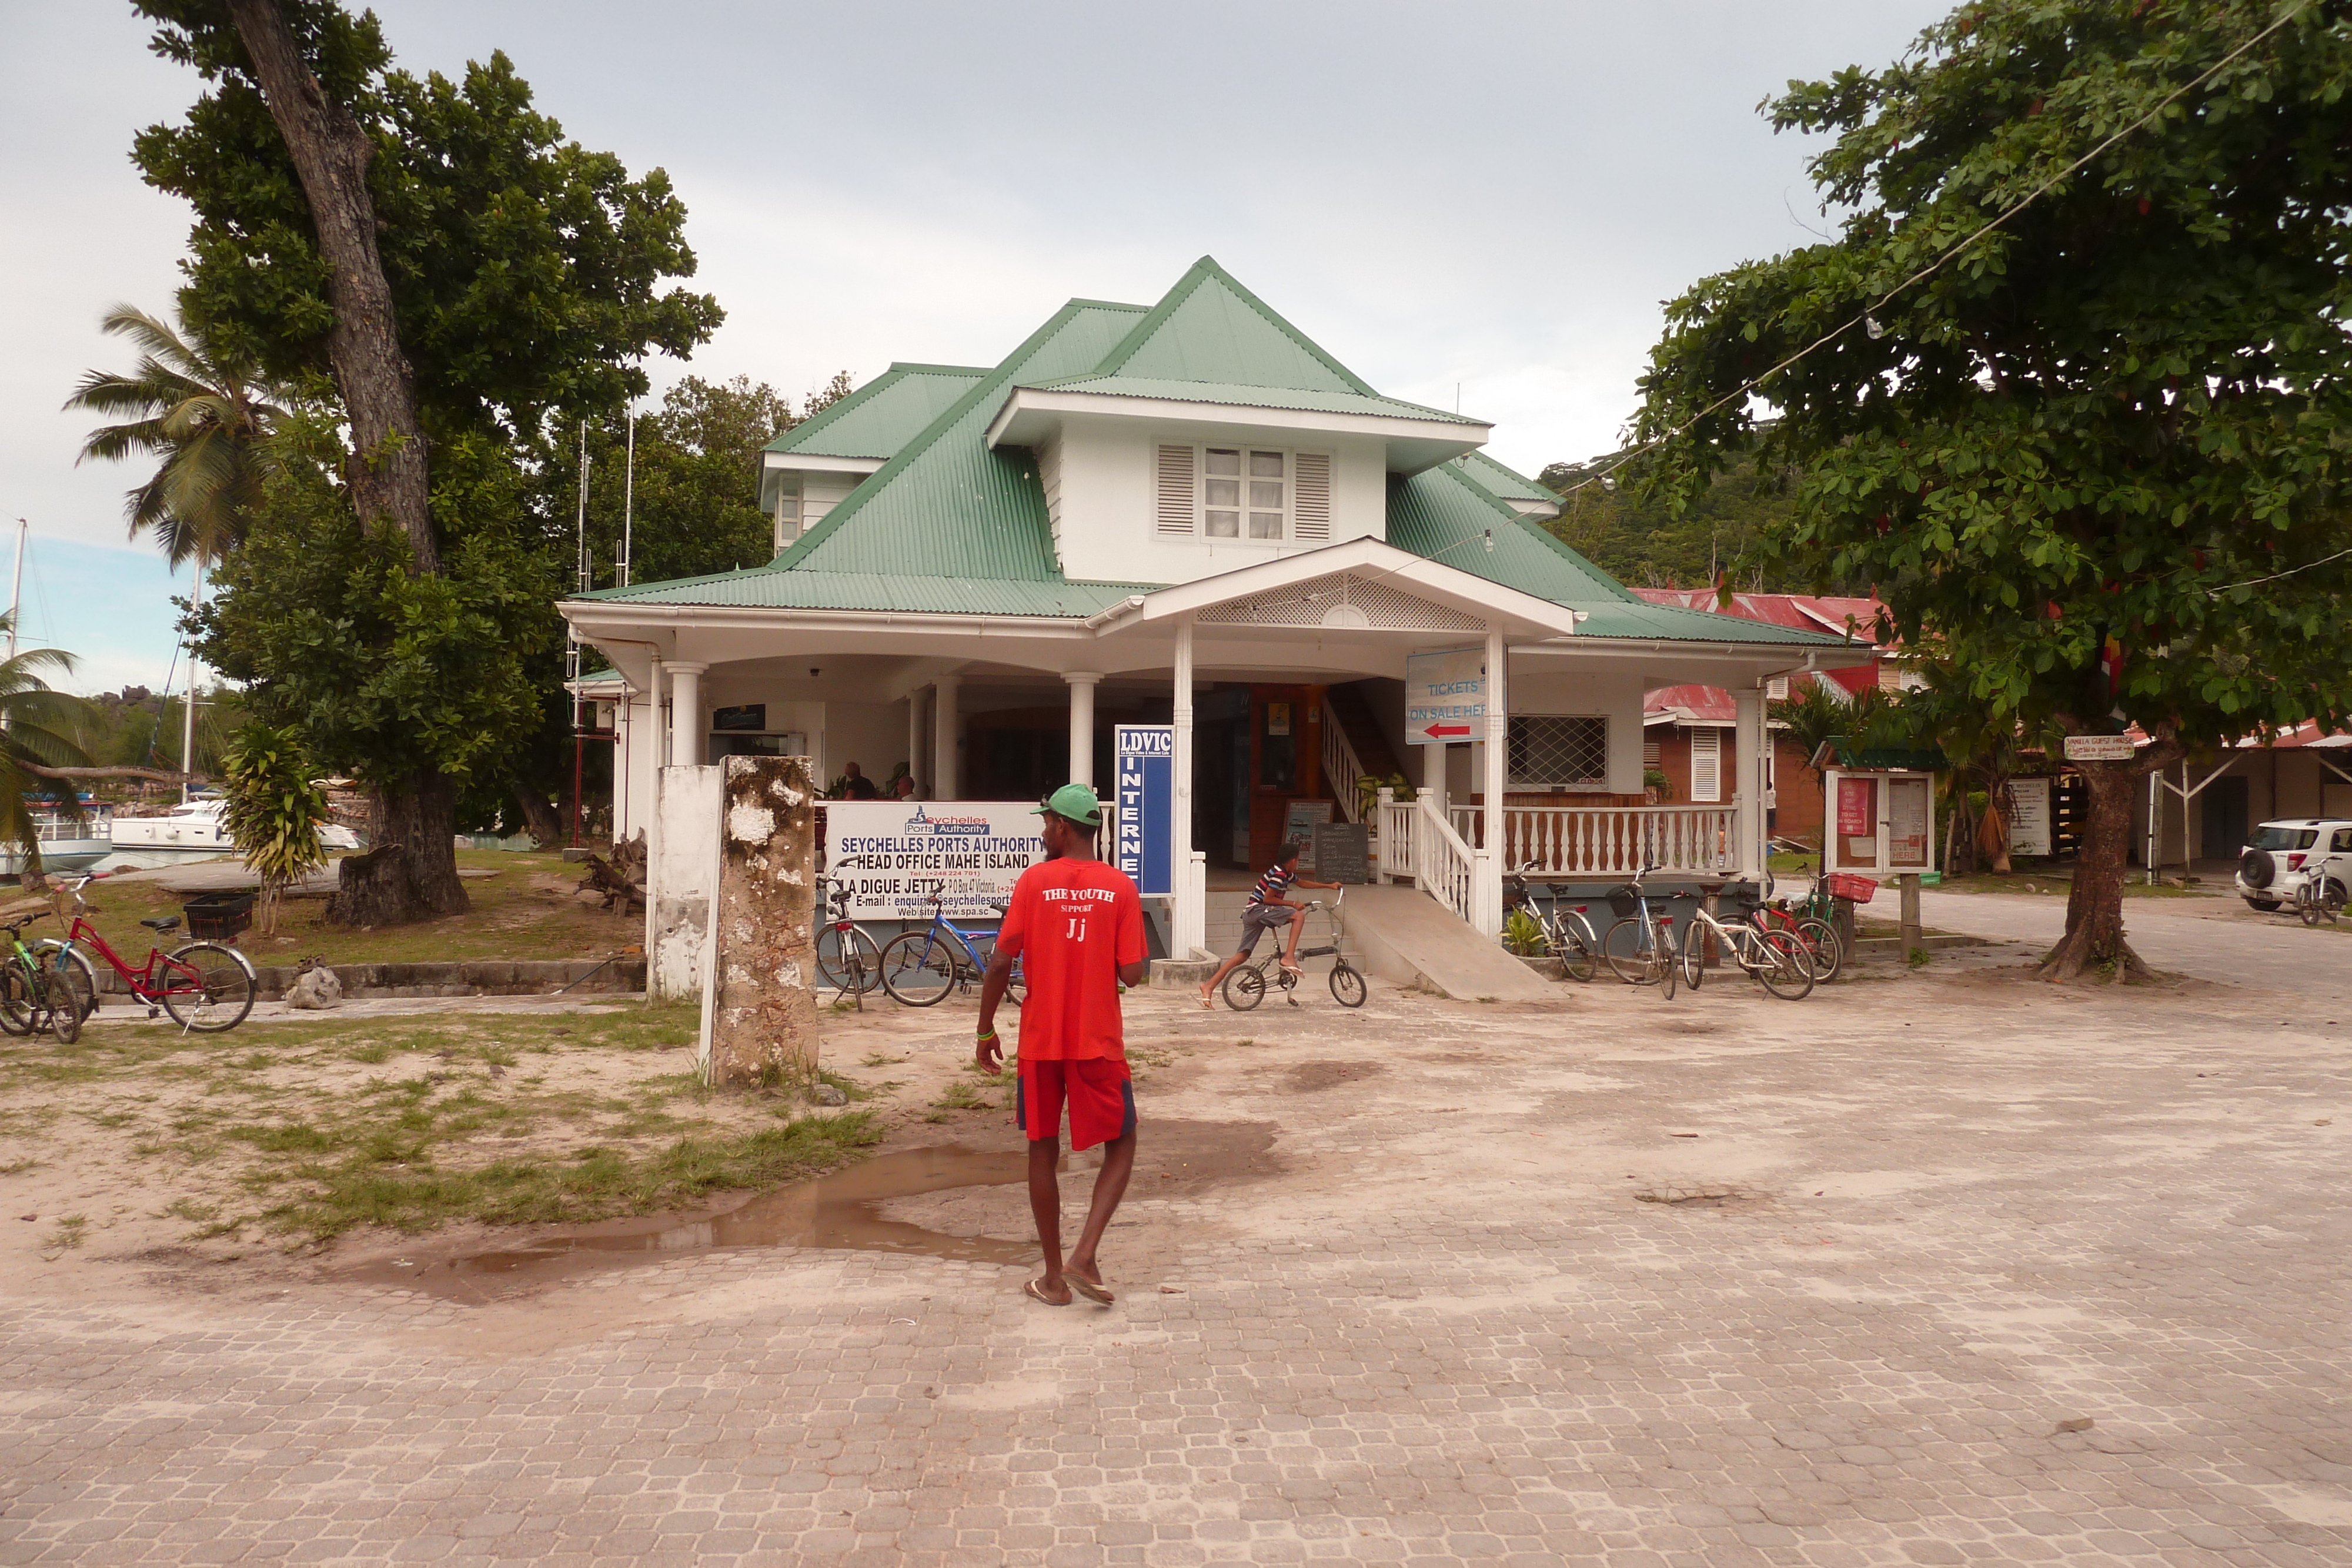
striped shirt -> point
(1273, 884)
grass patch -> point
(961, 1096)
(68, 1234)
(411, 1195)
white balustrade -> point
(1610, 841)
(1444, 866)
(1341, 766)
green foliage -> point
(1655, 779)
(274, 810)
(36, 729)
(2091, 432)
(1367, 792)
(1523, 933)
(203, 415)
(1647, 540)
(1816, 709)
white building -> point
(1187, 512)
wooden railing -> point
(1341, 766)
(1610, 840)
(1443, 864)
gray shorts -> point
(1259, 918)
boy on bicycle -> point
(1269, 910)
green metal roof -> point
(881, 416)
(1248, 396)
(1508, 483)
(1210, 329)
(765, 588)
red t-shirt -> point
(1072, 924)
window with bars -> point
(1567, 751)
(1242, 492)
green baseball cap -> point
(1079, 803)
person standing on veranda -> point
(1076, 925)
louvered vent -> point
(1311, 514)
(1176, 490)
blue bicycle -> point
(1641, 946)
(920, 968)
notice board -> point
(1343, 852)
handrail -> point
(1442, 863)
(1341, 767)
(1608, 840)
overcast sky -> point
(1495, 196)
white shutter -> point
(1175, 473)
(1706, 765)
(1311, 506)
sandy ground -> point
(1724, 1281)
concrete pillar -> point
(915, 738)
(1082, 726)
(1432, 777)
(1749, 737)
(1907, 918)
(1486, 884)
(686, 725)
(947, 725)
(1189, 916)
(759, 1006)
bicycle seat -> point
(162, 923)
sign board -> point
(1445, 697)
(1299, 820)
(1343, 852)
(2100, 749)
(1142, 843)
(1907, 812)
(894, 854)
(1857, 821)
(2029, 822)
(751, 717)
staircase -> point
(1363, 732)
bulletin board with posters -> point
(1882, 822)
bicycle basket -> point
(218, 916)
(1844, 884)
(1625, 902)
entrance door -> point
(1285, 761)
(2225, 819)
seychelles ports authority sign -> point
(1445, 697)
(1143, 834)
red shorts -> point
(1101, 1097)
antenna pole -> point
(629, 499)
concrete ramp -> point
(1402, 933)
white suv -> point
(2287, 852)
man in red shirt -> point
(1076, 926)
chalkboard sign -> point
(751, 715)
(1343, 852)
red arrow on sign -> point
(1435, 730)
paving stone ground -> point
(1962, 1210)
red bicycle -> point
(205, 986)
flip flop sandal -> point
(1035, 1294)
(1209, 1000)
(1099, 1295)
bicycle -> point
(1811, 923)
(1641, 947)
(1568, 935)
(846, 955)
(207, 987)
(919, 967)
(1246, 986)
(1775, 959)
(2320, 895)
(34, 997)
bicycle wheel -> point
(917, 967)
(1822, 949)
(2306, 903)
(1245, 987)
(1578, 960)
(67, 994)
(1631, 952)
(18, 1013)
(1694, 958)
(206, 987)
(1782, 967)
(848, 960)
(1346, 986)
(48, 952)
(1669, 961)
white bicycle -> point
(1777, 959)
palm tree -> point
(36, 726)
(207, 416)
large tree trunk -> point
(2094, 909)
(539, 815)
(410, 869)
(331, 151)
(387, 472)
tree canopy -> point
(2096, 458)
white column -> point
(946, 723)
(1749, 736)
(1188, 924)
(657, 732)
(1486, 884)
(687, 724)
(1432, 777)
(1082, 726)
(915, 738)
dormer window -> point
(1243, 493)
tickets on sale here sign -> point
(1445, 697)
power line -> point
(1864, 318)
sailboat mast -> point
(188, 707)
(16, 584)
